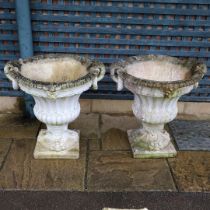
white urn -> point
(157, 83)
(56, 82)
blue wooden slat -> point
(201, 90)
(107, 96)
(8, 57)
(195, 98)
(171, 1)
(8, 37)
(204, 82)
(5, 84)
(119, 51)
(167, 1)
(104, 30)
(7, 26)
(114, 20)
(9, 47)
(111, 9)
(7, 16)
(5, 4)
(208, 73)
(143, 42)
(2, 75)
(11, 93)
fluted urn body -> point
(56, 82)
(157, 83)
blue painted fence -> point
(106, 30)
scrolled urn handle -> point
(200, 70)
(116, 78)
(7, 70)
(98, 70)
(195, 85)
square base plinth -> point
(139, 152)
(42, 152)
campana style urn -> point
(56, 82)
(157, 83)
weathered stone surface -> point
(20, 132)
(94, 144)
(112, 106)
(13, 120)
(16, 127)
(88, 124)
(11, 104)
(180, 106)
(140, 148)
(191, 171)
(22, 171)
(118, 171)
(197, 110)
(194, 111)
(123, 122)
(85, 105)
(50, 147)
(115, 139)
(4, 148)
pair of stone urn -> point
(56, 82)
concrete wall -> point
(187, 110)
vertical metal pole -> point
(23, 16)
(24, 28)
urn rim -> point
(197, 68)
(95, 70)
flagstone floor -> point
(105, 162)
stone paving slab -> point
(118, 171)
(115, 139)
(20, 132)
(191, 171)
(109, 164)
(123, 122)
(88, 124)
(13, 120)
(17, 127)
(191, 135)
(94, 144)
(21, 171)
(4, 148)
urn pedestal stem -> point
(57, 141)
(151, 141)
(57, 138)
